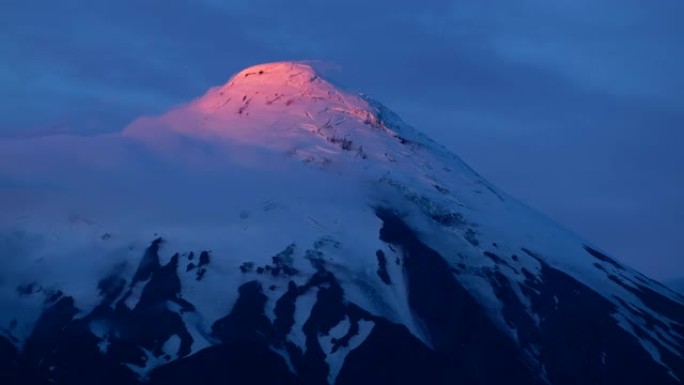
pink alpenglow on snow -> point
(278, 105)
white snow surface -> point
(274, 157)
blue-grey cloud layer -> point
(577, 107)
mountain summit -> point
(278, 230)
(277, 104)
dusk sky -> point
(574, 106)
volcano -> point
(279, 230)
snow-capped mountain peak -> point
(283, 105)
(278, 221)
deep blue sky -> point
(574, 106)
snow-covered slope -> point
(280, 221)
